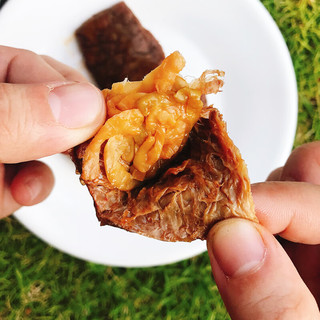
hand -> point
(259, 277)
(45, 108)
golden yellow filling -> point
(147, 121)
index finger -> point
(21, 66)
(69, 73)
(290, 209)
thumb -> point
(38, 120)
(256, 278)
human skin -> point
(45, 108)
(261, 276)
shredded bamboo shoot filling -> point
(147, 121)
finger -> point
(23, 66)
(14, 69)
(275, 175)
(303, 164)
(290, 209)
(67, 72)
(23, 185)
(7, 203)
(32, 184)
(38, 120)
(306, 259)
(255, 277)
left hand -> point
(45, 108)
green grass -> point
(39, 282)
(299, 22)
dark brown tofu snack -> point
(116, 46)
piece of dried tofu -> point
(162, 165)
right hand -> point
(259, 277)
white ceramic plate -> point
(259, 102)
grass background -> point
(39, 282)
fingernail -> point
(237, 247)
(33, 187)
(75, 105)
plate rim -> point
(9, 5)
